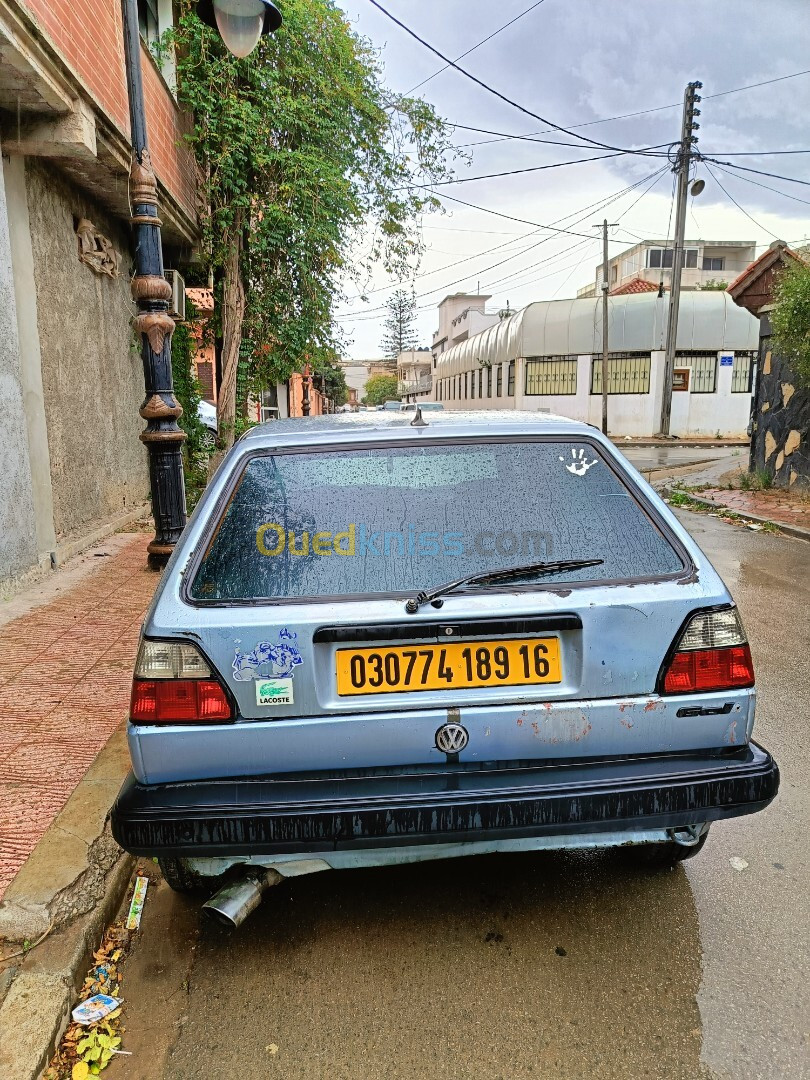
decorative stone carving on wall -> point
(95, 250)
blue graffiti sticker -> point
(268, 661)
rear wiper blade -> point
(489, 577)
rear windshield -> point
(400, 519)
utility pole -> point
(605, 350)
(681, 168)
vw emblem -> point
(451, 738)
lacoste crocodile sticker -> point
(274, 692)
(268, 660)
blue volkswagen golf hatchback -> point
(385, 638)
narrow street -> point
(565, 965)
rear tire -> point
(179, 876)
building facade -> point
(548, 358)
(71, 377)
(414, 371)
(461, 315)
(205, 361)
(650, 261)
(780, 435)
(358, 372)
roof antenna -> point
(417, 419)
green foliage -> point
(381, 388)
(314, 164)
(790, 318)
(97, 1047)
(713, 286)
(187, 392)
(399, 335)
(760, 480)
(186, 387)
(333, 380)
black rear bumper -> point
(270, 816)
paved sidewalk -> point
(66, 658)
(780, 507)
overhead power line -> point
(647, 150)
(477, 46)
(626, 116)
(491, 90)
(514, 172)
(759, 172)
(511, 217)
(742, 209)
(605, 200)
(765, 187)
(585, 212)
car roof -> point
(369, 427)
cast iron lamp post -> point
(237, 21)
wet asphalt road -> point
(510, 967)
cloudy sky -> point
(576, 62)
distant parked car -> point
(392, 406)
(499, 639)
(208, 418)
(425, 406)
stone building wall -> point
(18, 547)
(781, 436)
(92, 375)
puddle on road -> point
(563, 964)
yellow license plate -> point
(456, 666)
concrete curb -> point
(687, 444)
(789, 530)
(36, 1009)
(75, 879)
(66, 874)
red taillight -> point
(710, 669)
(178, 701)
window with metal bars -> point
(472, 385)
(551, 375)
(704, 370)
(499, 381)
(510, 380)
(480, 382)
(489, 381)
(741, 373)
(628, 373)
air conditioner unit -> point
(177, 304)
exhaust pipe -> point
(688, 835)
(235, 901)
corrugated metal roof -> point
(708, 321)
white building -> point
(461, 315)
(358, 372)
(547, 358)
(651, 261)
(414, 372)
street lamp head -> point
(240, 22)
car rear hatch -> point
(296, 595)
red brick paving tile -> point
(13, 732)
(775, 506)
(61, 763)
(26, 811)
(65, 677)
